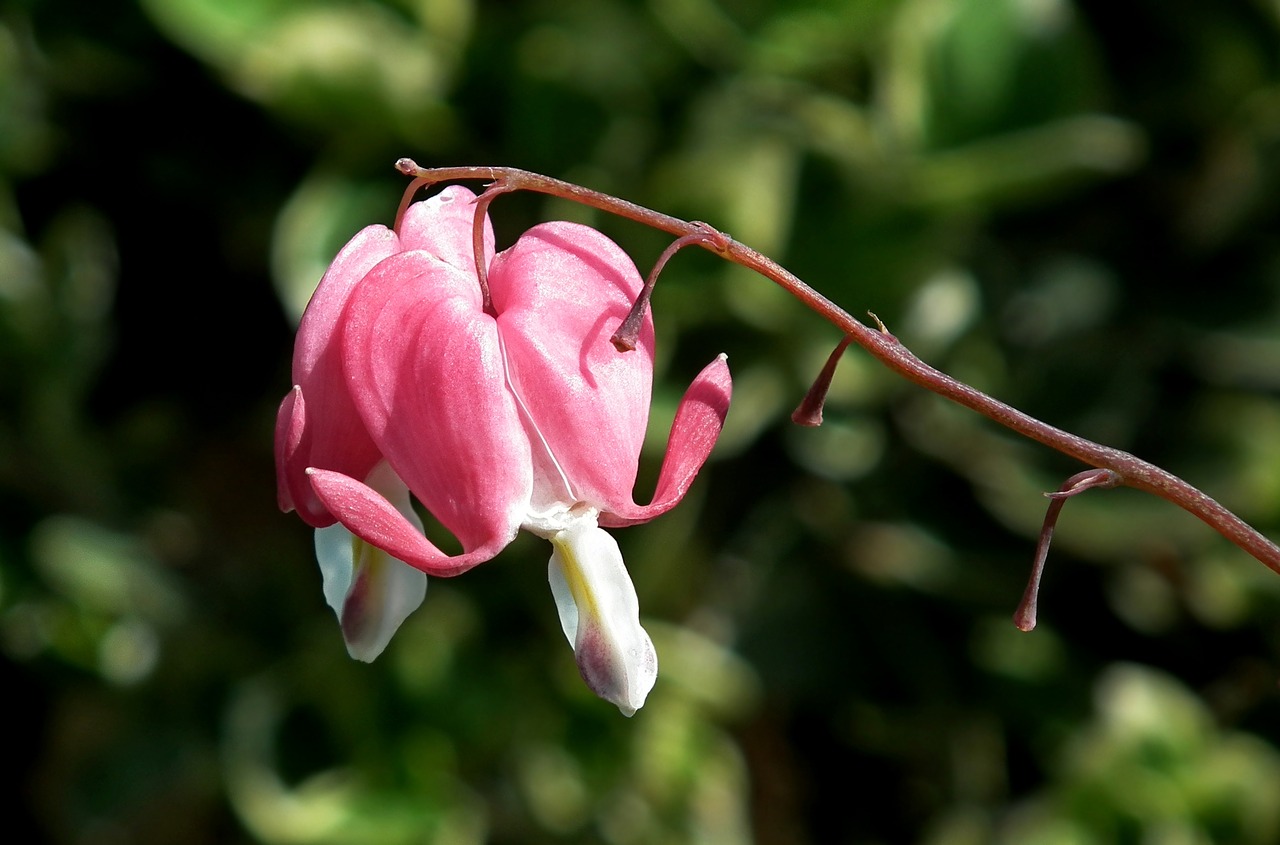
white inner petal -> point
(391, 589)
(600, 614)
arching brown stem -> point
(881, 344)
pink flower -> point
(523, 418)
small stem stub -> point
(1025, 616)
(628, 333)
(809, 411)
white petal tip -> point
(370, 592)
(600, 616)
(363, 657)
(622, 676)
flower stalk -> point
(880, 343)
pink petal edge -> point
(326, 431)
(694, 431)
(368, 515)
(289, 429)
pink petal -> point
(424, 366)
(560, 293)
(442, 225)
(693, 433)
(325, 430)
(316, 330)
(367, 514)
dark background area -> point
(1072, 206)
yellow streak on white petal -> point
(583, 597)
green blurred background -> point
(1072, 205)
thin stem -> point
(884, 347)
(1025, 616)
(625, 338)
(406, 198)
(477, 242)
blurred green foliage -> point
(1072, 205)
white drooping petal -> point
(600, 615)
(370, 591)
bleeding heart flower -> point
(522, 416)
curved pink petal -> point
(424, 367)
(317, 424)
(290, 425)
(560, 293)
(367, 514)
(443, 225)
(693, 434)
